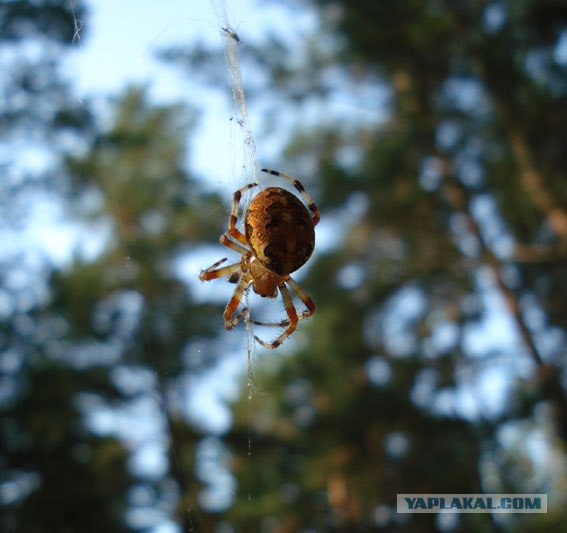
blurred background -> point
(432, 136)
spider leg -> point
(233, 231)
(303, 296)
(291, 322)
(214, 265)
(225, 241)
(233, 303)
(280, 324)
(238, 317)
(299, 186)
(213, 272)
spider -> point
(278, 238)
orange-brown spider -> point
(278, 238)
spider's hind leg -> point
(291, 322)
(304, 297)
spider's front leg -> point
(229, 319)
(213, 272)
(233, 231)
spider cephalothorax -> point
(278, 238)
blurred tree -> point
(129, 303)
(457, 197)
(54, 473)
(111, 333)
(39, 117)
(57, 475)
(104, 336)
(459, 203)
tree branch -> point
(459, 199)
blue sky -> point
(120, 39)
(115, 47)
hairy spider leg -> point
(225, 241)
(234, 302)
(236, 319)
(244, 280)
(213, 272)
(233, 231)
(210, 273)
(292, 319)
(299, 186)
(303, 296)
(215, 265)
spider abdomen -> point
(279, 230)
